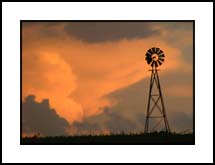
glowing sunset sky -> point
(95, 79)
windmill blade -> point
(160, 52)
(160, 63)
(156, 64)
(161, 55)
(153, 63)
(153, 50)
(150, 51)
(157, 50)
(161, 59)
(149, 61)
(149, 57)
(148, 54)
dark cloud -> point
(38, 117)
(133, 99)
(109, 31)
(181, 122)
(111, 121)
(140, 118)
(117, 123)
(43, 31)
(86, 127)
(185, 26)
(187, 54)
(44, 24)
(128, 115)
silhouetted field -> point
(151, 138)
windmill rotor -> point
(155, 57)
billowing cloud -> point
(48, 76)
(40, 118)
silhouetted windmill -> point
(155, 58)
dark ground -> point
(146, 139)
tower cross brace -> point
(153, 103)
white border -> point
(202, 13)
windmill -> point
(155, 57)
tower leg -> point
(149, 100)
(162, 103)
(155, 79)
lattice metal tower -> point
(155, 57)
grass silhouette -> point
(122, 138)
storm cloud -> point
(93, 32)
(38, 117)
(132, 100)
(107, 122)
(116, 122)
(181, 122)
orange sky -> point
(75, 75)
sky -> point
(92, 77)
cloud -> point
(132, 100)
(180, 90)
(111, 121)
(38, 117)
(181, 121)
(49, 76)
(85, 128)
(117, 123)
(154, 124)
(93, 32)
(107, 122)
(178, 34)
(43, 30)
(66, 70)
